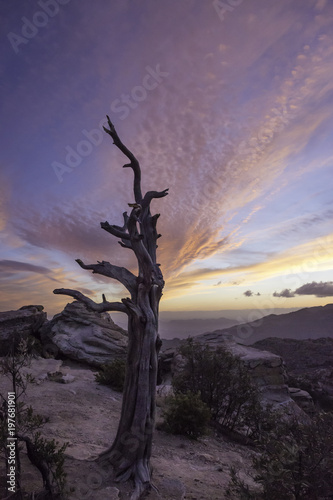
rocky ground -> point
(85, 414)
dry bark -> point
(131, 450)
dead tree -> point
(131, 450)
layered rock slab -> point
(84, 336)
(20, 324)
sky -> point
(229, 104)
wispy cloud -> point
(300, 260)
(15, 266)
(74, 231)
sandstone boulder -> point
(17, 325)
(85, 336)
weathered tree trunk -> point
(131, 450)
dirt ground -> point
(85, 414)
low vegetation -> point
(186, 414)
(222, 382)
(19, 422)
(294, 462)
(113, 375)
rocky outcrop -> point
(308, 363)
(302, 399)
(267, 369)
(83, 335)
(17, 325)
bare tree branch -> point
(150, 195)
(134, 165)
(115, 230)
(101, 307)
(118, 273)
(125, 244)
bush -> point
(296, 463)
(186, 414)
(52, 457)
(222, 381)
(44, 454)
(113, 375)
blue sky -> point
(228, 104)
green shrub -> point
(222, 381)
(42, 453)
(186, 414)
(48, 452)
(296, 463)
(113, 375)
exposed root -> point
(139, 472)
(140, 490)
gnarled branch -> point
(118, 273)
(134, 165)
(101, 307)
(115, 230)
(150, 195)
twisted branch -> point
(134, 165)
(118, 273)
(101, 307)
(150, 195)
(115, 230)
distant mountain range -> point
(308, 323)
(183, 328)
